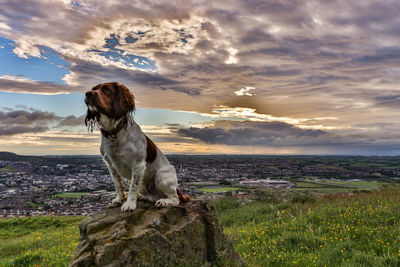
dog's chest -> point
(120, 158)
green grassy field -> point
(219, 189)
(331, 186)
(71, 194)
(336, 230)
(7, 169)
(38, 241)
(360, 229)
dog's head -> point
(110, 99)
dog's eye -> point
(106, 91)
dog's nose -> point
(88, 94)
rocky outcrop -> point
(184, 235)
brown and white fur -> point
(128, 152)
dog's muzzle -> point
(88, 97)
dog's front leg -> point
(136, 179)
(119, 186)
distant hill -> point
(4, 155)
(47, 159)
(7, 154)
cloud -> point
(255, 133)
(25, 117)
(190, 43)
(27, 120)
(280, 137)
(244, 91)
(21, 121)
(392, 101)
(18, 129)
(244, 113)
(20, 84)
(72, 121)
(308, 59)
(52, 142)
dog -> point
(128, 152)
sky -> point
(209, 77)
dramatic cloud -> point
(302, 52)
(72, 121)
(316, 65)
(22, 121)
(255, 133)
(25, 117)
(18, 129)
(254, 136)
(244, 91)
(10, 84)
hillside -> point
(360, 229)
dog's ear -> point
(124, 101)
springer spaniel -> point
(128, 152)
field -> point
(337, 230)
(70, 195)
(38, 241)
(331, 186)
(7, 169)
(361, 229)
(219, 189)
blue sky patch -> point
(112, 41)
(119, 55)
(61, 105)
(130, 39)
(51, 68)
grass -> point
(8, 169)
(70, 195)
(326, 190)
(305, 184)
(33, 205)
(331, 186)
(362, 229)
(359, 184)
(38, 241)
(219, 189)
(368, 164)
(335, 168)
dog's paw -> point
(163, 202)
(129, 206)
(140, 197)
(117, 201)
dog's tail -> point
(182, 198)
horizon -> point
(226, 78)
(233, 155)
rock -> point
(184, 235)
